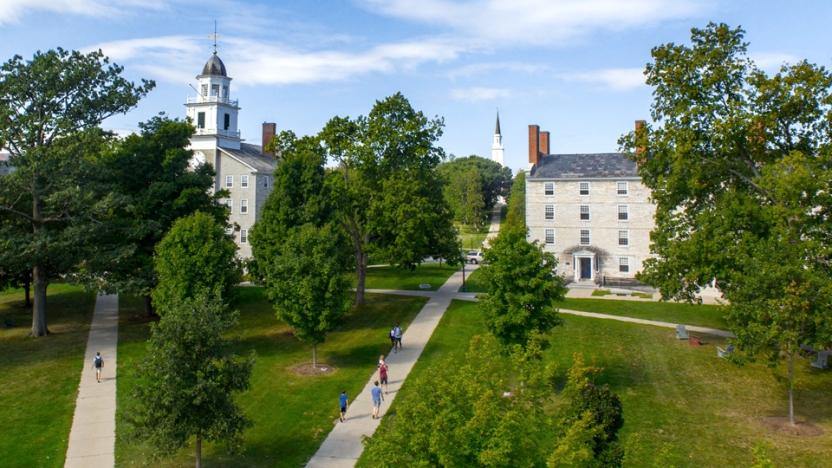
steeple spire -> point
(497, 130)
(497, 150)
(215, 36)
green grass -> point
(390, 277)
(601, 292)
(672, 312)
(643, 295)
(40, 376)
(472, 282)
(292, 414)
(701, 409)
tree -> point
(740, 172)
(152, 170)
(432, 429)
(307, 282)
(50, 109)
(387, 193)
(516, 215)
(188, 380)
(195, 257)
(473, 185)
(522, 286)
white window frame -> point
(244, 236)
(623, 264)
(244, 206)
(230, 203)
(549, 236)
(626, 213)
(548, 187)
(215, 90)
(265, 181)
(587, 237)
(581, 189)
(229, 231)
(584, 212)
(618, 189)
(549, 210)
(229, 181)
(623, 238)
(244, 181)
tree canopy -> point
(472, 187)
(50, 109)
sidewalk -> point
(93, 435)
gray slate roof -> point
(583, 166)
(253, 156)
(214, 66)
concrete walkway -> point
(93, 435)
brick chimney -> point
(640, 128)
(544, 142)
(534, 144)
(269, 129)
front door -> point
(586, 268)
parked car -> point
(474, 256)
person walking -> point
(98, 364)
(382, 374)
(392, 338)
(345, 403)
(376, 391)
(398, 332)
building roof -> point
(584, 166)
(214, 66)
(252, 156)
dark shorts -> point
(343, 409)
(383, 381)
(398, 339)
(377, 403)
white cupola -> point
(212, 110)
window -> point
(225, 92)
(229, 231)
(584, 212)
(230, 204)
(624, 265)
(623, 238)
(265, 181)
(229, 181)
(549, 188)
(244, 181)
(215, 90)
(584, 188)
(584, 236)
(204, 90)
(622, 188)
(200, 120)
(244, 236)
(622, 213)
(549, 211)
(226, 122)
(550, 236)
(243, 206)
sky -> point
(575, 68)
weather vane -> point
(215, 36)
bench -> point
(724, 352)
(681, 333)
(424, 286)
(820, 360)
(9, 322)
(694, 340)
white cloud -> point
(479, 94)
(772, 60)
(613, 79)
(482, 68)
(541, 22)
(14, 10)
(180, 58)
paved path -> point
(93, 435)
(343, 446)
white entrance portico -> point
(585, 264)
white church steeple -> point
(212, 111)
(497, 148)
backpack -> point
(99, 361)
(393, 332)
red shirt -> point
(382, 371)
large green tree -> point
(740, 170)
(387, 193)
(473, 186)
(151, 170)
(50, 109)
(188, 380)
(195, 257)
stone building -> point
(590, 210)
(243, 169)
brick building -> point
(590, 210)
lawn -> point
(672, 312)
(472, 284)
(292, 414)
(40, 376)
(699, 409)
(390, 277)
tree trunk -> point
(314, 356)
(148, 307)
(440, 263)
(40, 283)
(361, 270)
(198, 452)
(791, 391)
(27, 288)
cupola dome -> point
(214, 66)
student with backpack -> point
(392, 337)
(98, 364)
(345, 403)
(397, 331)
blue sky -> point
(572, 67)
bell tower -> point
(497, 149)
(212, 111)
